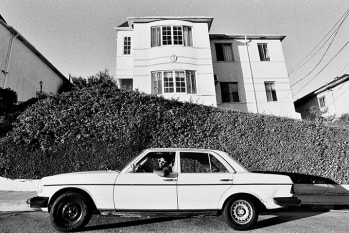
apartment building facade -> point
(176, 57)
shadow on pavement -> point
(130, 222)
(290, 214)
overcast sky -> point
(77, 36)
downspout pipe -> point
(252, 77)
(8, 58)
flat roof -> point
(149, 19)
(248, 36)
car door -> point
(202, 180)
(142, 188)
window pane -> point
(188, 39)
(270, 91)
(263, 52)
(228, 52)
(168, 82)
(322, 102)
(219, 52)
(180, 81)
(225, 92)
(166, 35)
(192, 162)
(155, 36)
(127, 45)
(177, 35)
(191, 82)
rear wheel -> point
(240, 213)
(70, 212)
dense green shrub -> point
(102, 127)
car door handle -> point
(171, 179)
(226, 180)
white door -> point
(202, 180)
(144, 188)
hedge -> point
(103, 127)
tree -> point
(102, 78)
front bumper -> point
(38, 202)
(287, 201)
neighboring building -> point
(168, 56)
(331, 99)
(24, 69)
(176, 57)
(251, 74)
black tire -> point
(70, 212)
(240, 213)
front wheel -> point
(70, 212)
(240, 213)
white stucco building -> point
(251, 74)
(176, 57)
(168, 56)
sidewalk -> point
(15, 200)
(14, 194)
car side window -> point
(216, 165)
(193, 162)
(155, 161)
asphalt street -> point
(316, 221)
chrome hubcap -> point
(241, 212)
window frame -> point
(173, 36)
(223, 57)
(234, 96)
(263, 51)
(126, 45)
(270, 90)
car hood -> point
(79, 178)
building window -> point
(178, 81)
(126, 84)
(270, 91)
(127, 45)
(230, 92)
(171, 35)
(224, 52)
(322, 101)
(263, 52)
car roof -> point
(181, 149)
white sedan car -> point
(165, 181)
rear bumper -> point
(38, 202)
(287, 201)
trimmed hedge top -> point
(103, 127)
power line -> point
(339, 51)
(344, 70)
(325, 53)
(306, 59)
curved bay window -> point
(173, 81)
(171, 35)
